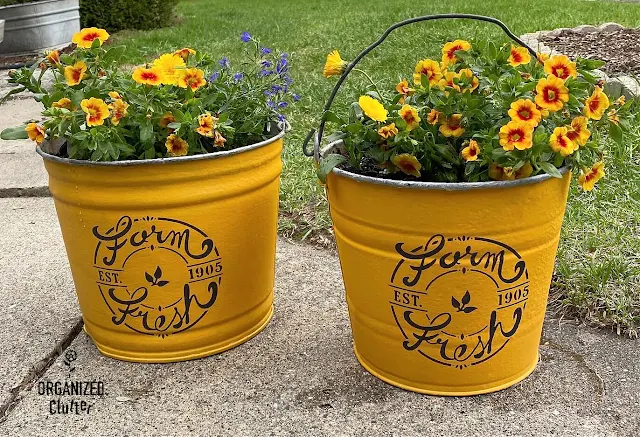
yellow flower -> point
(388, 131)
(613, 116)
(429, 68)
(578, 132)
(218, 139)
(206, 125)
(471, 152)
(75, 73)
(542, 57)
(114, 95)
(519, 56)
(404, 89)
(433, 116)
(168, 65)
(147, 76)
(499, 173)
(62, 103)
(526, 111)
(118, 111)
(516, 134)
(596, 104)
(561, 143)
(53, 57)
(408, 164)
(451, 126)
(192, 78)
(447, 81)
(621, 101)
(410, 116)
(335, 65)
(35, 132)
(524, 171)
(372, 108)
(176, 146)
(588, 179)
(449, 51)
(185, 53)
(560, 66)
(85, 37)
(551, 93)
(166, 119)
(468, 80)
(97, 111)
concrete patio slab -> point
(37, 299)
(300, 378)
(21, 167)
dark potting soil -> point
(620, 49)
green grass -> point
(598, 272)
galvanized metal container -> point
(34, 27)
(1, 30)
(172, 259)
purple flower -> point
(264, 73)
(245, 37)
(283, 105)
(282, 117)
(276, 88)
(224, 62)
(282, 66)
(296, 98)
(214, 76)
(265, 51)
(238, 77)
(268, 93)
(271, 104)
(287, 80)
(266, 64)
(284, 55)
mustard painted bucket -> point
(172, 259)
(446, 283)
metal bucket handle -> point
(318, 137)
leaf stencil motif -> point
(462, 307)
(156, 278)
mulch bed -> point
(27, 59)
(620, 49)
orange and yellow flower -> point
(114, 95)
(169, 66)
(62, 103)
(430, 68)
(147, 76)
(408, 164)
(471, 152)
(516, 134)
(519, 56)
(468, 81)
(35, 132)
(621, 101)
(451, 127)
(542, 57)
(166, 119)
(410, 116)
(613, 117)
(596, 104)
(118, 111)
(499, 173)
(588, 179)
(86, 37)
(75, 73)
(372, 108)
(206, 125)
(335, 65)
(53, 57)
(447, 81)
(560, 66)
(404, 89)
(192, 78)
(449, 51)
(218, 139)
(561, 143)
(433, 116)
(578, 132)
(388, 131)
(97, 111)
(551, 93)
(185, 53)
(526, 111)
(176, 146)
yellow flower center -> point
(551, 95)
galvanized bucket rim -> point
(160, 161)
(440, 186)
(29, 4)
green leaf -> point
(174, 126)
(66, 59)
(588, 76)
(114, 54)
(14, 133)
(146, 133)
(327, 164)
(333, 118)
(550, 169)
(615, 131)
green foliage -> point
(115, 15)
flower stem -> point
(370, 80)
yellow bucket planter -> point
(447, 284)
(172, 259)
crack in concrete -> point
(594, 376)
(6, 193)
(38, 370)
